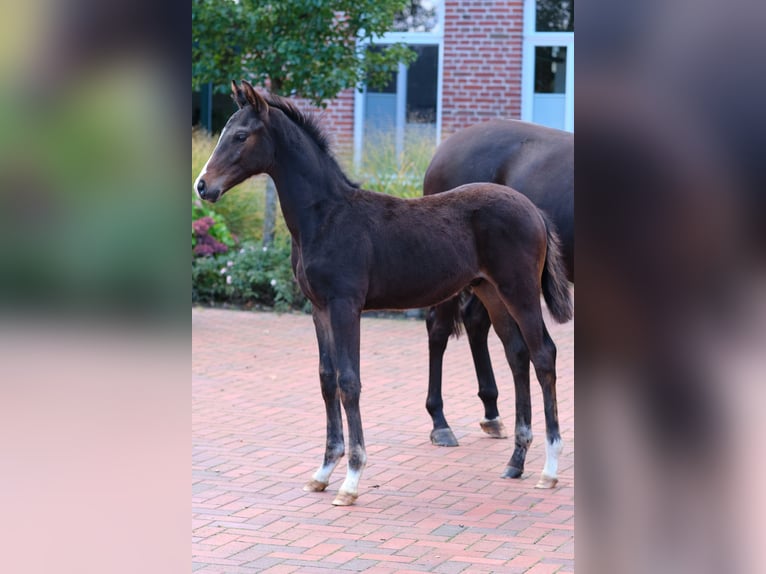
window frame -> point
(531, 39)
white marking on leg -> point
(351, 483)
(552, 452)
(324, 472)
(204, 167)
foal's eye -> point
(240, 137)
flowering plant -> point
(210, 235)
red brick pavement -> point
(258, 435)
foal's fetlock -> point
(515, 466)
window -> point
(405, 109)
(548, 63)
(408, 108)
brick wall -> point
(482, 61)
(481, 75)
(337, 119)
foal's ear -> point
(238, 95)
(255, 99)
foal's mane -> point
(310, 124)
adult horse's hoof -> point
(546, 481)
(494, 427)
(512, 472)
(443, 437)
(344, 499)
(315, 486)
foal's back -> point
(426, 249)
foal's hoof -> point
(344, 498)
(443, 437)
(494, 427)
(512, 472)
(546, 481)
(315, 486)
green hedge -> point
(250, 276)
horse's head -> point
(244, 148)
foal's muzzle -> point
(205, 192)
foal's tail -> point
(555, 285)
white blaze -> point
(204, 168)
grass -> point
(382, 169)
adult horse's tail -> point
(555, 285)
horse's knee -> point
(349, 385)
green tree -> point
(310, 48)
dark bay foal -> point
(355, 249)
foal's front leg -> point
(328, 378)
(344, 321)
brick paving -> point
(258, 435)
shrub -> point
(250, 276)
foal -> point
(355, 249)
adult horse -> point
(539, 162)
(355, 249)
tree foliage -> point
(305, 47)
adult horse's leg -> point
(477, 324)
(440, 323)
(328, 378)
(344, 322)
(524, 308)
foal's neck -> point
(307, 178)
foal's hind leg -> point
(542, 352)
(477, 323)
(518, 359)
(544, 360)
(328, 378)
(523, 303)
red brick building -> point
(477, 59)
